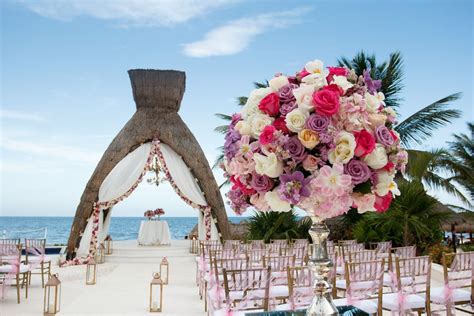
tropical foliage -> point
(273, 225)
(411, 219)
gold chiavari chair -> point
(35, 250)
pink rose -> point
(270, 104)
(266, 137)
(310, 163)
(336, 71)
(382, 203)
(237, 184)
(326, 101)
(280, 125)
(303, 73)
(365, 143)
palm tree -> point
(461, 160)
(413, 218)
(273, 225)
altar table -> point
(154, 233)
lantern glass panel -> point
(52, 296)
(164, 270)
(156, 293)
(91, 273)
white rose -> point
(317, 80)
(304, 97)
(251, 106)
(275, 203)
(390, 111)
(374, 101)
(342, 82)
(258, 123)
(386, 184)
(268, 165)
(314, 67)
(278, 82)
(344, 150)
(296, 119)
(244, 128)
(377, 158)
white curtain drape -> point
(187, 184)
(127, 172)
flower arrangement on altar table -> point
(322, 140)
(150, 214)
(159, 212)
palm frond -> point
(223, 116)
(392, 76)
(219, 160)
(222, 129)
(241, 100)
(420, 125)
(259, 85)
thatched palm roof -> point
(158, 95)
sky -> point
(65, 92)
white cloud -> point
(126, 12)
(235, 36)
(24, 116)
(50, 150)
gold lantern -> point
(164, 270)
(156, 294)
(194, 244)
(52, 296)
(108, 245)
(100, 254)
(91, 272)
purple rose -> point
(286, 108)
(293, 187)
(384, 136)
(261, 183)
(286, 93)
(295, 149)
(358, 170)
(318, 123)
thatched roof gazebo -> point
(158, 95)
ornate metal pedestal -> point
(320, 264)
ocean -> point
(58, 228)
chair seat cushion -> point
(279, 291)
(340, 270)
(7, 268)
(390, 301)
(387, 280)
(368, 306)
(341, 284)
(37, 259)
(437, 295)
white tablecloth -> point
(154, 233)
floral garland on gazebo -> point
(155, 150)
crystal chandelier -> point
(155, 168)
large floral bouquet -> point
(321, 140)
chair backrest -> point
(273, 248)
(346, 242)
(259, 244)
(279, 241)
(364, 280)
(363, 255)
(229, 264)
(300, 287)
(279, 263)
(10, 241)
(300, 241)
(299, 251)
(384, 246)
(256, 256)
(231, 244)
(413, 274)
(35, 247)
(251, 286)
(460, 274)
(10, 253)
(404, 252)
(346, 249)
(206, 245)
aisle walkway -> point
(122, 286)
